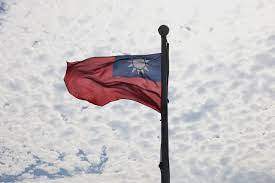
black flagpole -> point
(164, 154)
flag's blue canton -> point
(145, 66)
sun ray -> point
(139, 65)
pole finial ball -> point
(163, 30)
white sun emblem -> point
(139, 65)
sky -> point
(221, 92)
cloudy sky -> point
(222, 92)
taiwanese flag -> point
(101, 80)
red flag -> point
(101, 80)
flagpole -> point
(164, 154)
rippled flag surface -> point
(101, 80)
